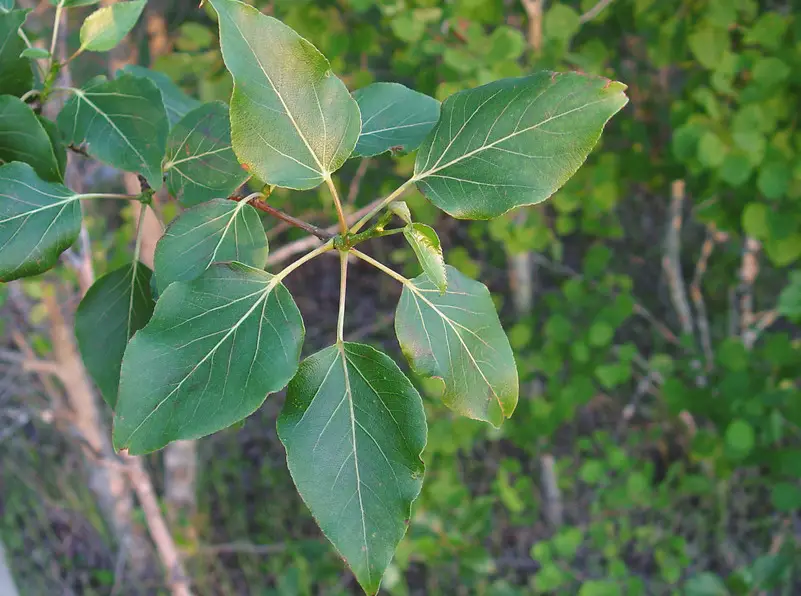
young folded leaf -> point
(115, 307)
(214, 349)
(213, 232)
(354, 427)
(425, 243)
(35, 53)
(293, 121)
(121, 122)
(457, 337)
(16, 76)
(513, 142)
(38, 221)
(23, 138)
(394, 118)
(105, 28)
(200, 164)
(177, 103)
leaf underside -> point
(38, 221)
(513, 142)
(426, 246)
(177, 103)
(216, 231)
(214, 349)
(200, 163)
(121, 122)
(16, 76)
(457, 337)
(116, 306)
(394, 118)
(23, 138)
(354, 428)
(293, 122)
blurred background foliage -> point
(652, 305)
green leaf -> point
(394, 118)
(177, 103)
(75, 3)
(6, 5)
(38, 221)
(24, 138)
(786, 496)
(790, 297)
(354, 429)
(115, 307)
(425, 243)
(705, 584)
(755, 220)
(774, 178)
(107, 26)
(458, 338)
(35, 53)
(200, 164)
(293, 121)
(740, 438)
(122, 123)
(16, 76)
(708, 44)
(513, 142)
(213, 350)
(216, 231)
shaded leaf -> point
(121, 122)
(38, 221)
(35, 53)
(200, 164)
(425, 243)
(293, 121)
(177, 103)
(216, 231)
(458, 338)
(393, 118)
(16, 76)
(74, 3)
(24, 138)
(107, 26)
(54, 135)
(116, 306)
(214, 349)
(513, 142)
(354, 428)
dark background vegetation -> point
(651, 305)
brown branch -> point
(702, 320)
(749, 270)
(594, 11)
(304, 244)
(533, 10)
(671, 262)
(261, 205)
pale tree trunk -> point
(7, 586)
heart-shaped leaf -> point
(107, 26)
(457, 337)
(214, 349)
(177, 103)
(394, 118)
(16, 76)
(200, 163)
(38, 221)
(293, 121)
(354, 428)
(216, 231)
(116, 306)
(513, 142)
(121, 122)
(425, 243)
(24, 138)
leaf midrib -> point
(322, 171)
(437, 168)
